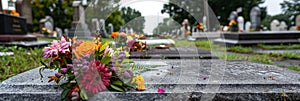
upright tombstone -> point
(233, 15)
(59, 32)
(204, 23)
(111, 26)
(102, 28)
(24, 9)
(78, 25)
(275, 25)
(241, 23)
(298, 20)
(283, 26)
(247, 26)
(95, 26)
(255, 16)
(48, 23)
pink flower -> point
(96, 78)
(56, 47)
(160, 90)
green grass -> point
(278, 47)
(266, 59)
(240, 49)
(22, 60)
(295, 68)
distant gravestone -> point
(241, 23)
(111, 26)
(59, 32)
(66, 31)
(255, 16)
(283, 26)
(23, 7)
(233, 15)
(47, 22)
(95, 26)
(298, 20)
(102, 28)
(247, 26)
(275, 25)
(204, 23)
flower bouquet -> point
(200, 27)
(46, 32)
(89, 67)
(233, 26)
(298, 28)
(134, 42)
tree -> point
(115, 19)
(221, 8)
(107, 10)
(60, 11)
(168, 25)
(133, 19)
(291, 9)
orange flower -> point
(114, 34)
(84, 49)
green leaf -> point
(64, 86)
(117, 88)
(64, 94)
(103, 47)
(127, 61)
(105, 60)
(83, 95)
(117, 82)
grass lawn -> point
(260, 58)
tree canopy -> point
(221, 8)
(133, 19)
(60, 11)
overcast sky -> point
(150, 9)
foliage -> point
(291, 9)
(168, 25)
(295, 68)
(279, 47)
(240, 49)
(221, 8)
(116, 19)
(22, 60)
(106, 10)
(133, 19)
(61, 12)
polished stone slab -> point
(183, 79)
(254, 38)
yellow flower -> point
(139, 81)
(85, 48)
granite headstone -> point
(23, 7)
(275, 25)
(283, 26)
(298, 20)
(247, 26)
(255, 16)
(241, 23)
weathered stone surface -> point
(254, 38)
(205, 35)
(26, 43)
(173, 53)
(192, 80)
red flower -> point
(96, 78)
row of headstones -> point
(48, 23)
(276, 25)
